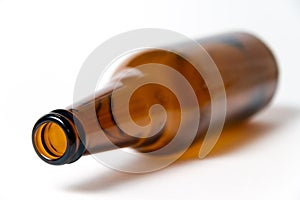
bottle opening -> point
(56, 139)
(50, 140)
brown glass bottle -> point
(246, 65)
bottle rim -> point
(73, 147)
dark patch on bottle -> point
(232, 41)
(228, 40)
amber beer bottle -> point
(247, 67)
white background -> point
(42, 47)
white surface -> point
(42, 47)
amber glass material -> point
(247, 67)
(50, 140)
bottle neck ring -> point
(55, 138)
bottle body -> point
(246, 65)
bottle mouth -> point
(50, 140)
(56, 140)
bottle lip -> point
(74, 146)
